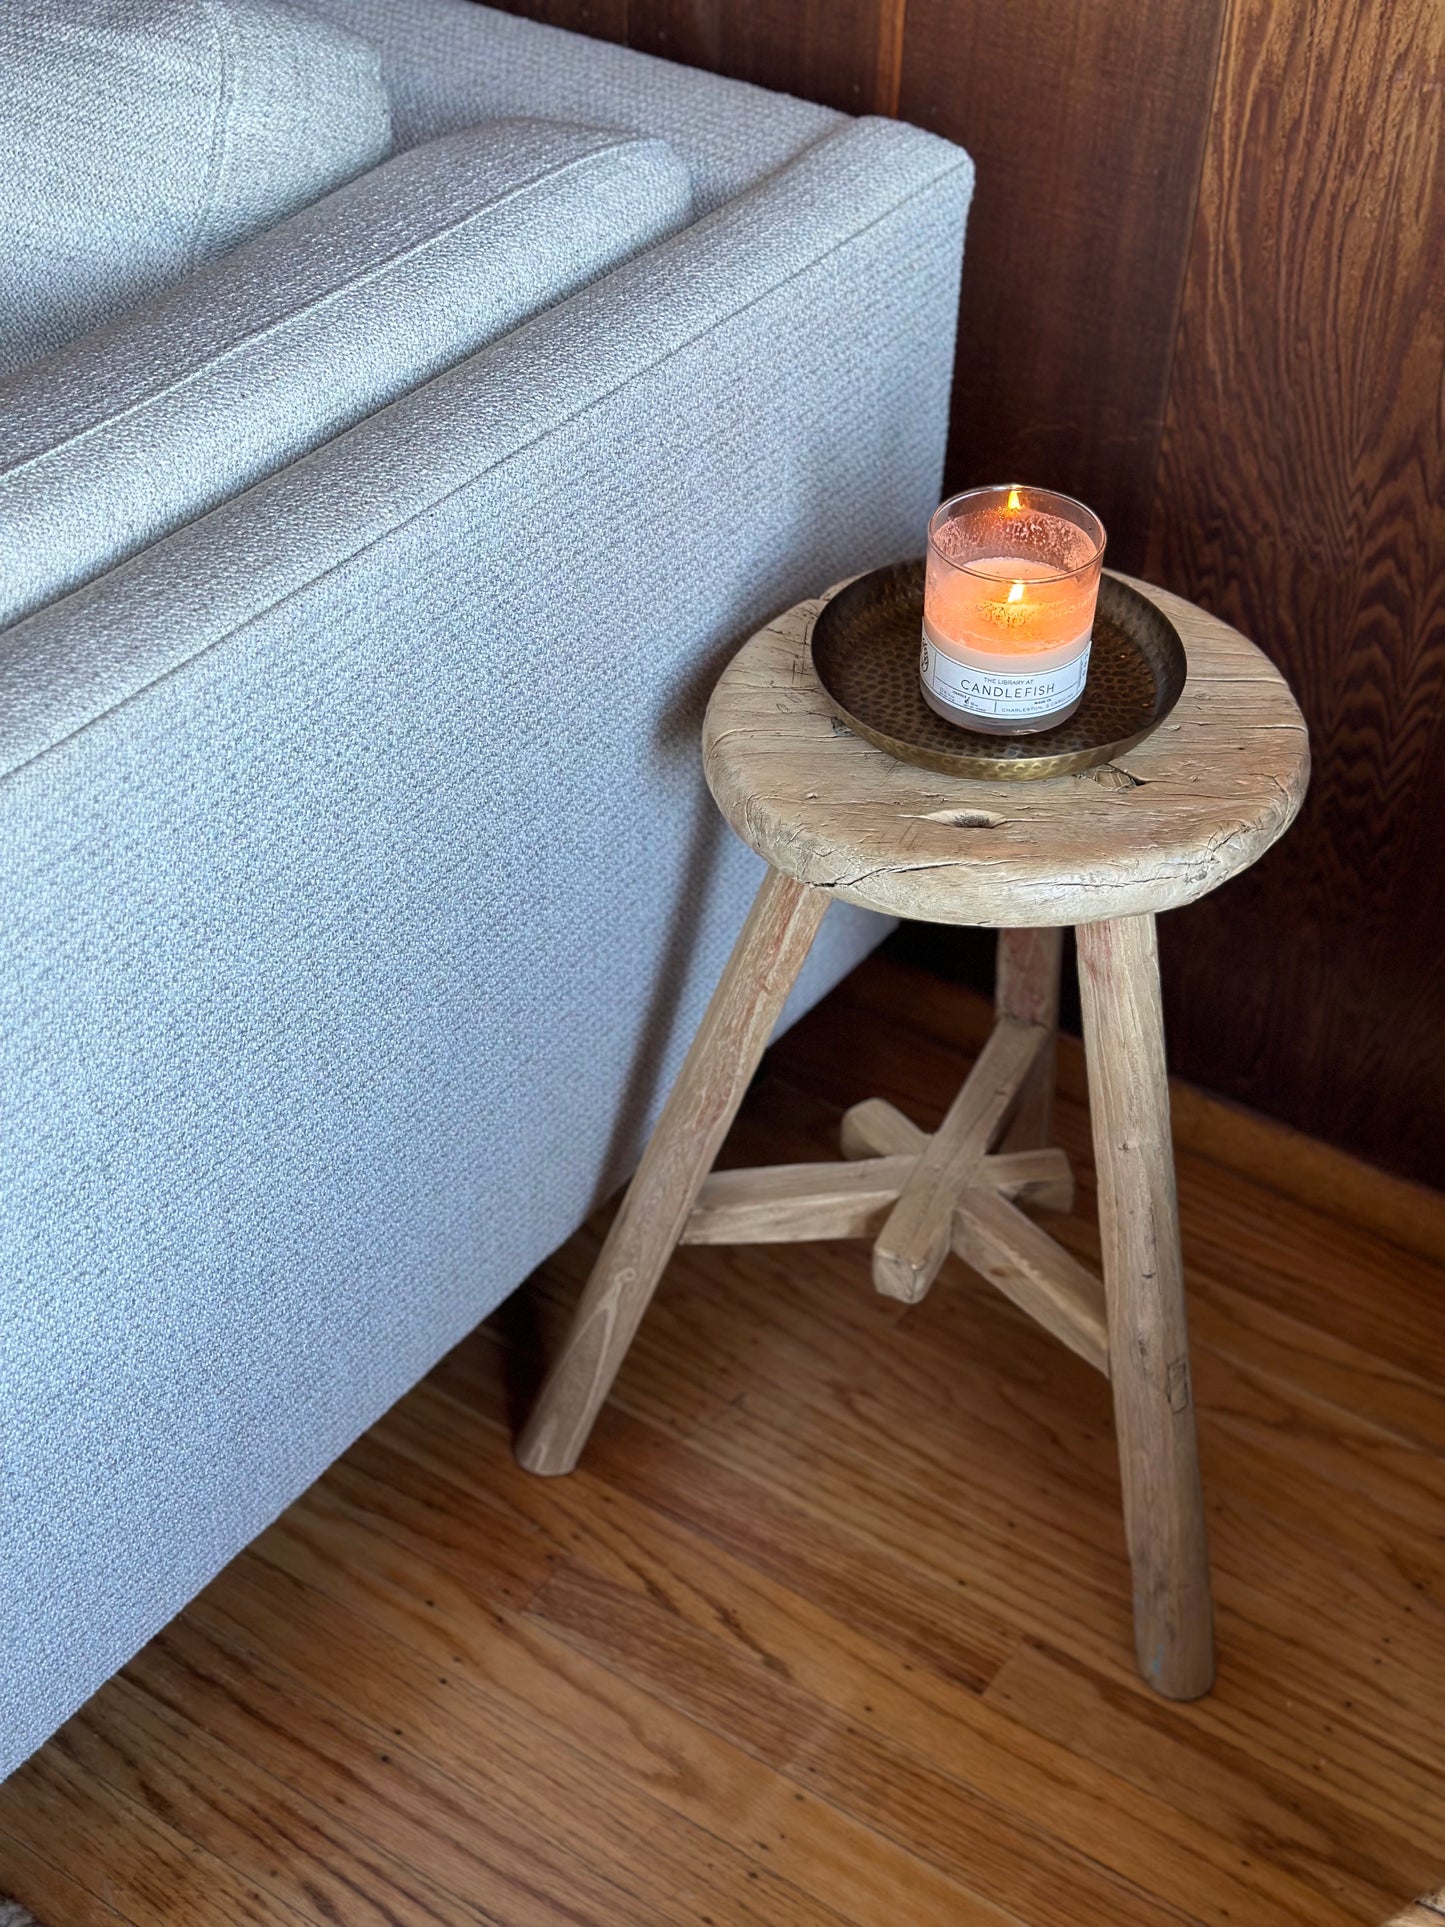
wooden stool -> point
(1205, 795)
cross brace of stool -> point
(920, 1197)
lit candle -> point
(1008, 608)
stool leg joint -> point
(916, 1238)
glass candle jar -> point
(1008, 608)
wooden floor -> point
(833, 1626)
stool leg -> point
(733, 1034)
(1029, 963)
(1144, 1285)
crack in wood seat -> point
(1197, 802)
(1218, 781)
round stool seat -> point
(1200, 799)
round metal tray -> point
(865, 648)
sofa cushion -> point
(143, 137)
(448, 63)
(120, 437)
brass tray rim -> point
(1019, 766)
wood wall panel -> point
(840, 52)
(1087, 122)
(603, 19)
(1301, 493)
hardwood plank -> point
(750, 1491)
(1283, 1701)
(798, 1349)
(1301, 495)
(1069, 1522)
(48, 1892)
(1316, 1450)
(964, 1830)
(664, 1562)
(504, 1675)
(526, 1671)
(1245, 1798)
(1349, 1286)
(924, 1622)
(273, 1834)
(661, 1578)
(1327, 1181)
(741, 1375)
(835, 1613)
(1087, 124)
(136, 1862)
(961, 1330)
(393, 1777)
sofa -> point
(374, 520)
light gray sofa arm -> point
(361, 889)
(126, 434)
(777, 374)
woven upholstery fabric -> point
(126, 434)
(362, 890)
(144, 137)
(450, 62)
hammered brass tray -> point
(865, 648)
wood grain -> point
(1144, 1290)
(1302, 495)
(1030, 963)
(792, 1203)
(1426, 1912)
(1213, 788)
(836, 1609)
(1087, 123)
(1327, 1181)
(844, 53)
(877, 1129)
(740, 1018)
(917, 1232)
(603, 19)
(1002, 1245)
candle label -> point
(1008, 698)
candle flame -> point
(1016, 593)
(1013, 505)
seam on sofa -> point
(963, 165)
(320, 302)
(223, 37)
